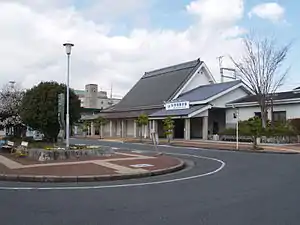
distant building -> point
(92, 98)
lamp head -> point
(68, 47)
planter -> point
(75, 153)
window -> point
(257, 114)
(279, 116)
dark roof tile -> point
(179, 112)
(276, 96)
(157, 86)
(204, 92)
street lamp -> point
(236, 116)
(68, 47)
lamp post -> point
(68, 47)
(236, 116)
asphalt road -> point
(251, 189)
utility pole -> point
(220, 58)
(234, 77)
(111, 89)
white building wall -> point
(130, 128)
(204, 113)
(119, 128)
(292, 111)
(106, 130)
(229, 97)
(201, 78)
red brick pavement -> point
(90, 168)
(160, 162)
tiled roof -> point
(276, 96)
(158, 86)
(181, 112)
(204, 92)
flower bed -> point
(75, 152)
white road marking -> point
(118, 168)
(171, 146)
(141, 165)
(130, 184)
(137, 151)
(11, 164)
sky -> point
(116, 41)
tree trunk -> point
(264, 115)
(141, 133)
(101, 131)
(254, 142)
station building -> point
(187, 92)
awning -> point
(179, 112)
(124, 115)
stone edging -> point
(225, 149)
(257, 151)
(92, 178)
(244, 150)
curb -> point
(93, 178)
(228, 149)
(242, 150)
(256, 151)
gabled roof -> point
(205, 92)
(287, 96)
(157, 86)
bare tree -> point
(261, 69)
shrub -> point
(295, 125)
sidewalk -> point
(209, 144)
(120, 166)
(224, 145)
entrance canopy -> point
(180, 113)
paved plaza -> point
(120, 163)
(216, 187)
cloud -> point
(42, 5)
(270, 11)
(216, 11)
(32, 51)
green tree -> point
(39, 108)
(252, 127)
(168, 127)
(141, 122)
(99, 123)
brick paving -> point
(28, 161)
(117, 164)
(62, 170)
(158, 163)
